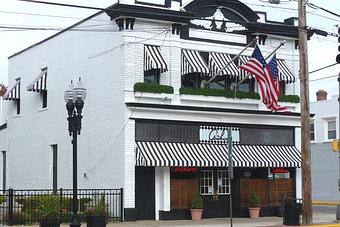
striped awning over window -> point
(13, 93)
(192, 62)
(242, 73)
(285, 74)
(214, 155)
(39, 83)
(218, 61)
(153, 59)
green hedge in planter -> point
(218, 92)
(153, 88)
(289, 98)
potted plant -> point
(254, 205)
(196, 207)
(49, 211)
(96, 213)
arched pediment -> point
(232, 10)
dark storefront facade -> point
(194, 156)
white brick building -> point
(111, 59)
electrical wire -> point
(326, 10)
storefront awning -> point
(192, 62)
(285, 74)
(214, 155)
(13, 93)
(39, 83)
(266, 156)
(218, 61)
(242, 73)
(181, 154)
(153, 59)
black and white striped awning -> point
(13, 93)
(285, 74)
(153, 59)
(218, 61)
(192, 62)
(242, 73)
(39, 83)
(266, 156)
(180, 154)
(215, 155)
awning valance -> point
(192, 62)
(243, 59)
(215, 155)
(153, 59)
(39, 83)
(218, 61)
(285, 74)
(13, 93)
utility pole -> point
(307, 211)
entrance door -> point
(145, 193)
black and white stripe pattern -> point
(214, 155)
(153, 59)
(192, 62)
(242, 73)
(222, 135)
(181, 154)
(285, 74)
(218, 61)
(39, 84)
(13, 93)
(266, 156)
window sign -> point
(218, 135)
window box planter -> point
(219, 93)
(289, 98)
(153, 88)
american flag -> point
(261, 70)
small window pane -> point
(331, 130)
(206, 182)
(222, 182)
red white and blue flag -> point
(262, 71)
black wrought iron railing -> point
(21, 207)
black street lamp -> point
(74, 98)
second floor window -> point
(152, 76)
(331, 129)
(312, 133)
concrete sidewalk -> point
(319, 218)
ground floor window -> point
(222, 182)
(206, 182)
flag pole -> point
(238, 55)
(281, 44)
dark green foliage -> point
(2, 199)
(289, 98)
(49, 207)
(197, 201)
(218, 92)
(97, 207)
(253, 200)
(153, 88)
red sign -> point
(279, 170)
(184, 169)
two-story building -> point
(151, 125)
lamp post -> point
(74, 98)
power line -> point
(318, 7)
(325, 67)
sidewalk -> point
(320, 219)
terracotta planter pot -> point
(196, 214)
(254, 212)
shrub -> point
(49, 207)
(97, 207)
(289, 98)
(219, 92)
(253, 200)
(2, 199)
(153, 88)
(197, 201)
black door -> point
(145, 193)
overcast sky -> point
(322, 50)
